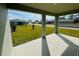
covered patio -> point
(55, 44)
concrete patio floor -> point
(53, 45)
(32, 48)
(63, 45)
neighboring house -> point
(76, 20)
(66, 21)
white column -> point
(5, 34)
(56, 24)
(45, 50)
(43, 25)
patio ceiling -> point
(49, 8)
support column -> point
(5, 33)
(56, 24)
(45, 50)
(43, 25)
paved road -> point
(70, 28)
(60, 27)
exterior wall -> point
(5, 33)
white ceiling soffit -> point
(54, 7)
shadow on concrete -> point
(45, 49)
(72, 49)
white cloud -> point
(13, 14)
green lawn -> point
(70, 32)
(25, 33)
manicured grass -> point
(25, 33)
(70, 32)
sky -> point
(14, 14)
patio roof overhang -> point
(47, 8)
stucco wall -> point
(5, 34)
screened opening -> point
(69, 24)
(25, 26)
(50, 20)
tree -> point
(13, 27)
(30, 21)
